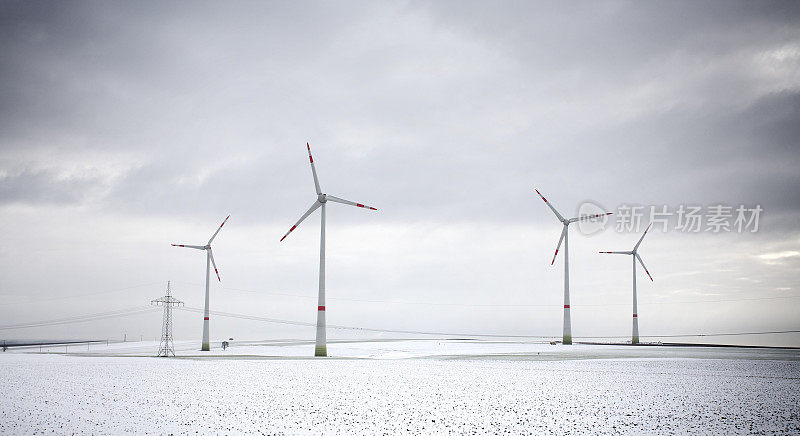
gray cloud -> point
(443, 114)
(46, 187)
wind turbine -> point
(320, 348)
(209, 262)
(635, 255)
(567, 335)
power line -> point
(432, 303)
(418, 303)
(726, 334)
(67, 297)
(81, 318)
(310, 324)
(147, 309)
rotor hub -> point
(322, 198)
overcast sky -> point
(127, 126)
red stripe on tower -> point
(635, 315)
(322, 308)
(566, 306)
(205, 318)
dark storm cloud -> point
(46, 187)
(444, 112)
(119, 72)
(619, 36)
(186, 87)
(158, 119)
(742, 155)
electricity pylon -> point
(167, 347)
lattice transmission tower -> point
(167, 346)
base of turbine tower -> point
(205, 347)
(635, 340)
(567, 340)
(321, 351)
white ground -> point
(393, 387)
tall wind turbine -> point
(634, 256)
(321, 348)
(567, 335)
(209, 262)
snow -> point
(392, 387)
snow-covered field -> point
(392, 387)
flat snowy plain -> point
(393, 387)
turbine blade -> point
(211, 255)
(198, 247)
(560, 218)
(351, 203)
(560, 240)
(588, 217)
(313, 170)
(640, 239)
(218, 229)
(645, 268)
(305, 215)
(614, 252)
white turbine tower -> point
(635, 255)
(567, 335)
(321, 348)
(209, 262)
